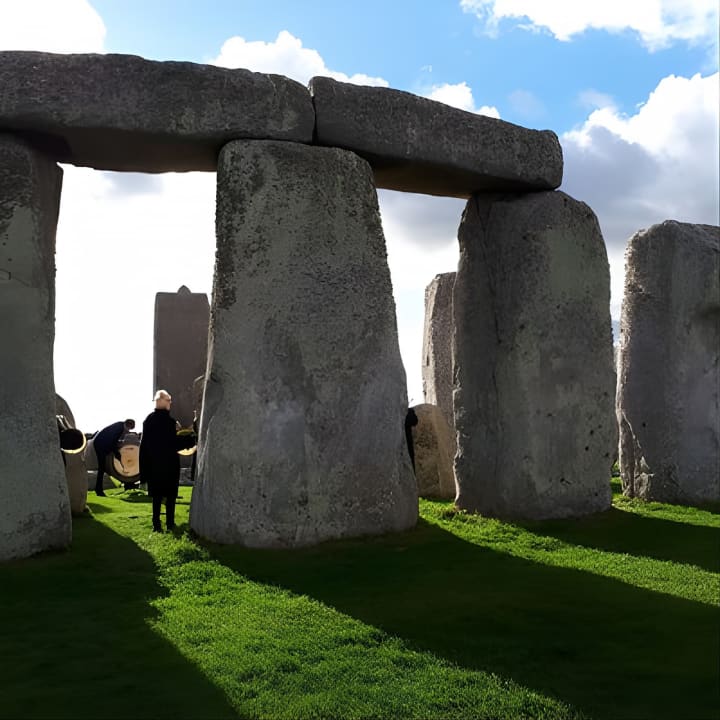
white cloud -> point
(285, 56)
(657, 22)
(660, 163)
(460, 96)
(62, 26)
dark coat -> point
(105, 442)
(159, 461)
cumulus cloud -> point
(657, 23)
(657, 164)
(285, 56)
(460, 96)
(61, 26)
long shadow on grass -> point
(601, 645)
(76, 643)
(628, 532)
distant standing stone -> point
(301, 437)
(434, 443)
(34, 505)
(437, 370)
(668, 384)
(534, 401)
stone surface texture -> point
(180, 347)
(122, 112)
(668, 384)
(302, 431)
(420, 145)
(437, 369)
(34, 506)
(534, 393)
(434, 443)
(76, 478)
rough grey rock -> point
(76, 478)
(121, 112)
(534, 393)
(668, 394)
(434, 444)
(34, 506)
(302, 431)
(420, 145)
(180, 347)
(437, 369)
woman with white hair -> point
(159, 461)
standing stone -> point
(437, 369)
(302, 432)
(434, 443)
(34, 506)
(533, 357)
(181, 331)
(668, 394)
(62, 408)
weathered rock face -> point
(420, 145)
(34, 507)
(668, 394)
(437, 367)
(302, 432)
(534, 360)
(434, 443)
(180, 347)
(76, 478)
(121, 112)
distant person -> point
(411, 420)
(193, 467)
(159, 460)
(106, 443)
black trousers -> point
(169, 511)
(101, 470)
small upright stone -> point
(180, 347)
(34, 505)
(434, 444)
(302, 431)
(534, 399)
(437, 367)
(668, 394)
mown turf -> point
(613, 616)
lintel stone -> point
(419, 145)
(122, 112)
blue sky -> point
(630, 87)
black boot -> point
(170, 513)
(156, 504)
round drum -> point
(189, 439)
(127, 469)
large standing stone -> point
(437, 369)
(434, 444)
(34, 507)
(62, 408)
(420, 145)
(121, 112)
(533, 357)
(668, 394)
(302, 431)
(180, 347)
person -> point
(411, 420)
(159, 461)
(105, 442)
(193, 467)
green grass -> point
(611, 616)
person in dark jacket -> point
(106, 443)
(159, 461)
(411, 420)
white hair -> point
(162, 395)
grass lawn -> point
(612, 616)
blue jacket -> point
(105, 442)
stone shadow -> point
(640, 535)
(601, 645)
(77, 640)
